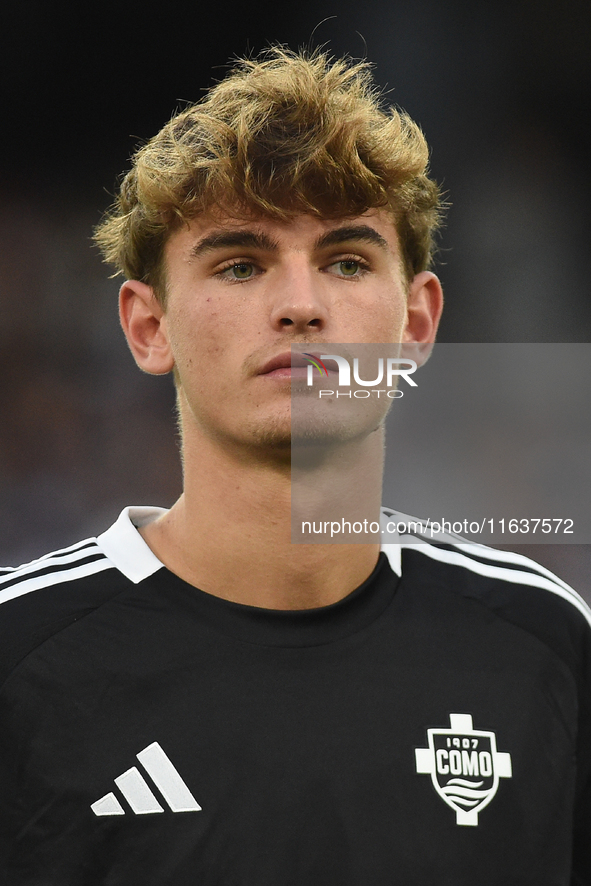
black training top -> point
(433, 727)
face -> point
(241, 292)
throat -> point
(266, 575)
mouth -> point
(295, 365)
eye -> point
(238, 271)
(241, 271)
(349, 267)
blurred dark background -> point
(501, 90)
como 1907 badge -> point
(464, 766)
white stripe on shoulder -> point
(36, 583)
(511, 575)
(86, 542)
(484, 551)
(120, 547)
(56, 558)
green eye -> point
(242, 271)
(349, 267)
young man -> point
(190, 698)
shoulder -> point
(509, 586)
(41, 598)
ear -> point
(424, 307)
(144, 324)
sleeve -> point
(581, 871)
(581, 868)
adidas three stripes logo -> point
(138, 792)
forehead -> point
(303, 232)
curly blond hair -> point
(283, 134)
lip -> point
(289, 365)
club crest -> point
(464, 766)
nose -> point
(298, 301)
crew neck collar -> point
(126, 548)
(279, 627)
(128, 551)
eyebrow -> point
(260, 240)
(231, 239)
(364, 233)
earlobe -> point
(144, 323)
(424, 307)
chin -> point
(334, 422)
(272, 434)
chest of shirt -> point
(396, 749)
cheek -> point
(193, 338)
(384, 320)
(203, 336)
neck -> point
(230, 533)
